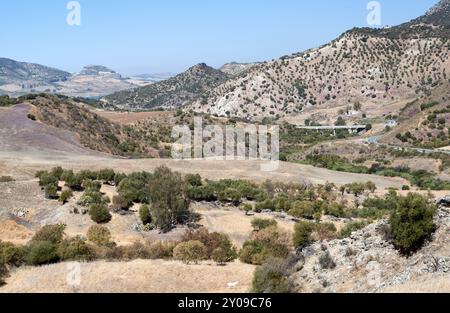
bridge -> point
(351, 128)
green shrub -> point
(271, 242)
(41, 253)
(91, 197)
(247, 208)
(3, 274)
(99, 235)
(302, 234)
(225, 253)
(11, 254)
(65, 196)
(260, 223)
(272, 277)
(191, 251)
(194, 180)
(50, 233)
(74, 249)
(119, 203)
(51, 192)
(145, 215)
(303, 209)
(411, 222)
(253, 252)
(99, 213)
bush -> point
(51, 192)
(302, 234)
(194, 180)
(271, 242)
(145, 215)
(99, 235)
(3, 274)
(212, 241)
(50, 233)
(41, 253)
(247, 208)
(6, 179)
(161, 250)
(272, 278)
(191, 251)
(411, 222)
(260, 223)
(65, 196)
(119, 203)
(91, 197)
(11, 254)
(99, 213)
(225, 253)
(303, 209)
(74, 249)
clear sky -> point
(148, 36)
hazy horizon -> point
(170, 36)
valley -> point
(93, 200)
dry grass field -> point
(137, 276)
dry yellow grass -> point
(137, 276)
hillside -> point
(235, 68)
(94, 132)
(372, 66)
(171, 93)
(23, 73)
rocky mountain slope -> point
(235, 68)
(28, 74)
(171, 93)
(370, 66)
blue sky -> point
(148, 36)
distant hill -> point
(23, 73)
(172, 93)
(20, 78)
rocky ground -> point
(367, 262)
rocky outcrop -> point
(367, 262)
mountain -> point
(153, 78)
(235, 68)
(23, 73)
(172, 93)
(379, 68)
(98, 70)
(20, 78)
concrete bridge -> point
(350, 128)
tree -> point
(411, 222)
(370, 186)
(168, 195)
(99, 235)
(11, 254)
(191, 251)
(145, 215)
(99, 213)
(3, 274)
